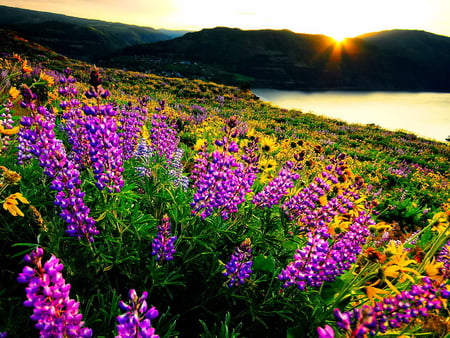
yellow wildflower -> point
(145, 134)
(268, 144)
(433, 269)
(375, 293)
(251, 132)
(9, 176)
(47, 78)
(14, 93)
(199, 144)
(26, 68)
(8, 132)
(398, 264)
(268, 165)
(11, 203)
(441, 222)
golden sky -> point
(336, 18)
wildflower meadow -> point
(135, 205)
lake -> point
(424, 114)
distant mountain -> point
(78, 38)
(389, 60)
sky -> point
(335, 18)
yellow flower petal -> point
(10, 204)
(14, 93)
(9, 132)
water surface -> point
(424, 114)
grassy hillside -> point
(186, 208)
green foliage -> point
(405, 177)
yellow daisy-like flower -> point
(269, 144)
(11, 203)
(26, 68)
(14, 93)
(268, 165)
(433, 269)
(9, 176)
(441, 222)
(199, 144)
(47, 78)
(251, 132)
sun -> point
(339, 38)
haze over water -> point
(424, 114)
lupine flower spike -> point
(394, 312)
(136, 321)
(163, 244)
(239, 268)
(47, 292)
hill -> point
(83, 39)
(392, 60)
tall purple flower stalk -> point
(221, 181)
(136, 321)
(324, 258)
(131, 120)
(48, 294)
(278, 187)
(239, 268)
(163, 244)
(301, 205)
(105, 149)
(163, 137)
(393, 312)
(176, 170)
(39, 130)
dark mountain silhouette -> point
(75, 37)
(388, 60)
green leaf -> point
(264, 263)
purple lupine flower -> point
(75, 128)
(393, 312)
(444, 257)
(325, 332)
(221, 181)
(26, 139)
(163, 244)
(67, 89)
(28, 97)
(176, 170)
(324, 258)
(96, 90)
(239, 268)
(136, 321)
(131, 120)
(143, 153)
(47, 292)
(277, 188)
(308, 199)
(163, 136)
(198, 113)
(105, 151)
(65, 176)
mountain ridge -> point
(411, 60)
(284, 59)
(80, 38)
